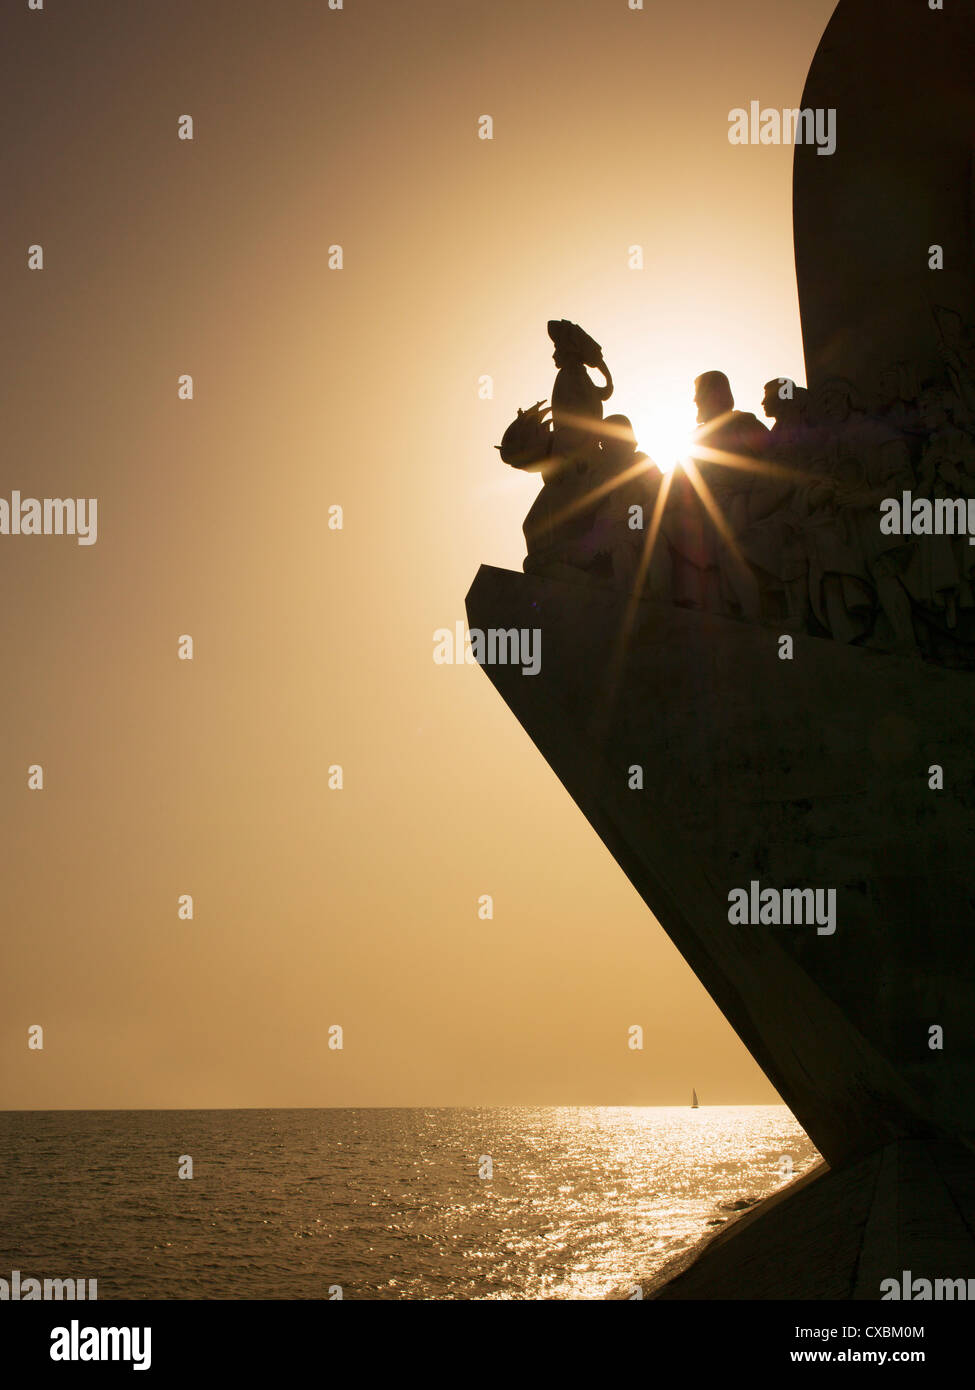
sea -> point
(517, 1203)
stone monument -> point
(803, 821)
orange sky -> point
(358, 387)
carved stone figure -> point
(710, 506)
(564, 449)
(939, 576)
(577, 402)
(779, 525)
(625, 535)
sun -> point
(664, 431)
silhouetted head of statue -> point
(779, 398)
(897, 383)
(837, 401)
(712, 396)
(573, 345)
(933, 409)
(617, 441)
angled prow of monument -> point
(765, 705)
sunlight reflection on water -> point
(384, 1203)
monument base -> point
(711, 755)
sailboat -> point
(694, 1101)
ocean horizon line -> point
(284, 1109)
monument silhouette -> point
(821, 742)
